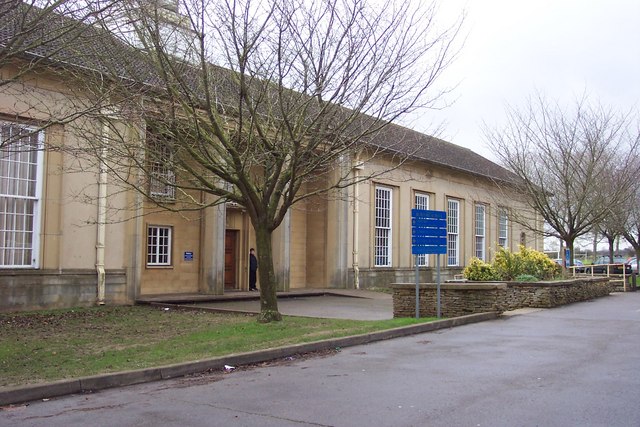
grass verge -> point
(62, 344)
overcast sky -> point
(562, 48)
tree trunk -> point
(611, 244)
(268, 286)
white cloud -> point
(561, 48)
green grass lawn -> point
(52, 345)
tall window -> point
(158, 246)
(383, 236)
(20, 188)
(453, 232)
(162, 176)
(503, 228)
(422, 202)
(480, 231)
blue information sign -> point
(428, 232)
(424, 213)
(428, 236)
(428, 241)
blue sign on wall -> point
(428, 232)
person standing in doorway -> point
(253, 270)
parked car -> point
(634, 264)
(600, 266)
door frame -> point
(231, 235)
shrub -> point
(526, 278)
(528, 265)
(479, 270)
(507, 265)
(537, 264)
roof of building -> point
(439, 152)
(57, 43)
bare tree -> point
(613, 224)
(575, 165)
(611, 228)
(260, 104)
(631, 229)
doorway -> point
(230, 259)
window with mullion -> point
(453, 232)
(383, 230)
(480, 231)
(158, 246)
(422, 202)
(503, 229)
(21, 161)
(162, 178)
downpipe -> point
(357, 166)
(101, 226)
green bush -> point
(479, 271)
(526, 278)
(526, 266)
(537, 264)
(507, 265)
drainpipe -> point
(102, 219)
(357, 167)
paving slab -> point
(324, 306)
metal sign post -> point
(428, 236)
(438, 286)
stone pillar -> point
(338, 233)
(281, 241)
(212, 250)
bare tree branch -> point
(575, 165)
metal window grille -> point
(162, 176)
(383, 229)
(453, 221)
(503, 229)
(480, 231)
(158, 246)
(20, 188)
(422, 202)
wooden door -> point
(230, 259)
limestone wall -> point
(23, 290)
(553, 294)
(459, 299)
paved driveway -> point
(577, 365)
(369, 306)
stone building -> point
(63, 242)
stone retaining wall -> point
(459, 299)
(618, 283)
(22, 290)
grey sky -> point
(562, 48)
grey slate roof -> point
(438, 152)
(58, 44)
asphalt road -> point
(577, 365)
